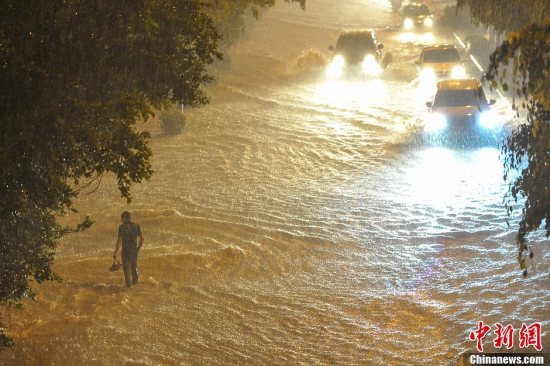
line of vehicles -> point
(458, 106)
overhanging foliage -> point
(506, 15)
(521, 65)
(75, 75)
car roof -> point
(414, 5)
(358, 32)
(439, 47)
(458, 84)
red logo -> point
(504, 336)
(478, 335)
(529, 335)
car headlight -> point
(488, 119)
(435, 122)
(428, 22)
(458, 72)
(408, 23)
(370, 66)
(427, 75)
(336, 67)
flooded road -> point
(296, 220)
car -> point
(357, 52)
(460, 106)
(416, 15)
(440, 62)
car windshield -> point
(460, 98)
(415, 11)
(353, 43)
(443, 55)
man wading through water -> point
(128, 233)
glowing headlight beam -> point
(458, 72)
(488, 119)
(370, 66)
(435, 123)
(336, 67)
(408, 23)
(427, 75)
(428, 22)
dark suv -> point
(357, 51)
(416, 15)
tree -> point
(75, 76)
(521, 65)
(527, 149)
(506, 15)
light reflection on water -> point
(354, 95)
(422, 38)
(443, 177)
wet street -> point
(296, 220)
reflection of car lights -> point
(435, 122)
(408, 23)
(488, 119)
(336, 67)
(428, 22)
(458, 72)
(427, 75)
(370, 66)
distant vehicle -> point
(460, 106)
(357, 52)
(416, 15)
(440, 62)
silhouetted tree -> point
(521, 65)
(506, 15)
(75, 75)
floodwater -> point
(295, 221)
